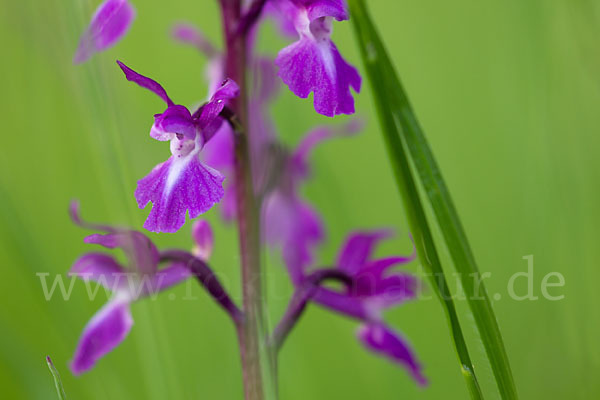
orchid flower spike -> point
(110, 23)
(182, 183)
(140, 279)
(313, 63)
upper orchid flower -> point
(375, 288)
(182, 183)
(140, 279)
(313, 63)
(109, 24)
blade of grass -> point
(408, 190)
(57, 381)
(390, 90)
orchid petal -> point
(107, 328)
(109, 24)
(383, 292)
(311, 65)
(100, 268)
(228, 90)
(293, 224)
(189, 34)
(358, 249)
(178, 185)
(139, 250)
(229, 203)
(168, 277)
(204, 238)
(315, 137)
(342, 303)
(145, 82)
(219, 150)
(324, 8)
(175, 120)
(381, 340)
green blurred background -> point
(508, 93)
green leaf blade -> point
(400, 124)
(57, 382)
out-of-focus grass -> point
(514, 85)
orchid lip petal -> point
(310, 66)
(178, 185)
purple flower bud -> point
(203, 236)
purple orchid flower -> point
(290, 222)
(141, 279)
(110, 23)
(182, 183)
(313, 63)
(376, 287)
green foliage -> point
(57, 382)
(400, 128)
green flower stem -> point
(257, 366)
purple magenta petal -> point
(76, 218)
(324, 8)
(381, 340)
(145, 82)
(166, 278)
(316, 66)
(266, 85)
(358, 249)
(175, 120)
(219, 150)
(189, 34)
(229, 202)
(100, 268)
(204, 238)
(109, 24)
(284, 14)
(344, 304)
(291, 223)
(228, 90)
(139, 250)
(179, 185)
(383, 292)
(300, 165)
(103, 333)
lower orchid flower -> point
(182, 183)
(140, 279)
(375, 287)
